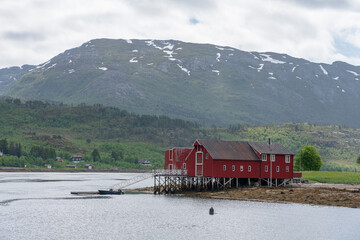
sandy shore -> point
(341, 195)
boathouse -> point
(218, 163)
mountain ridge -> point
(199, 82)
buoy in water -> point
(211, 211)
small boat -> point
(111, 192)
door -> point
(199, 164)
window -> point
(233, 167)
(287, 158)
(249, 169)
(287, 168)
(266, 168)
(277, 169)
(224, 167)
(272, 157)
(170, 155)
(207, 156)
(241, 168)
(264, 157)
(184, 165)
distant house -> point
(71, 166)
(88, 166)
(47, 165)
(59, 159)
(145, 163)
(1, 153)
(76, 158)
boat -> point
(111, 192)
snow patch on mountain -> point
(184, 69)
(298, 77)
(354, 73)
(135, 50)
(216, 71)
(336, 78)
(271, 77)
(43, 65)
(129, 41)
(261, 67)
(254, 55)
(218, 55)
(268, 58)
(133, 60)
(70, 61)
(53, 65)
(323, 70)
(102, 68)
(224, 49)
(70, 71)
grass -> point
(332, 177)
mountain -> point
(202, 82)
(9, 75)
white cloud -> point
(33, 31)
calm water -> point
(40, 206)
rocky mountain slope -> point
(202, 82)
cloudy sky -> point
(33, 31)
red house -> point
(269, 163)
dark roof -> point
(273, 148)
(229, 150)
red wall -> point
(279, 162)
(229, 173)
(176, 157)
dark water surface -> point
(40, 206)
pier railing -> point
(175, 172)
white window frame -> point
(287, 169)
(266, 168)
(184, 165)
(224, 168)
(249, 168)
(233, 168)
(287, 158)
(277, 168)
(241, 168)
(272, 157)
(264, 157)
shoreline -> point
(317, 194)
(74, 170)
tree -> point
(4, 146)
(117, 155)
(308, 159)
(95, 155)
(358, 159)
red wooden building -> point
(245, 162)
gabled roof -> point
(273, 148)
(229, 150)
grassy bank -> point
(332, 177)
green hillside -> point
(81, 129)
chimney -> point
(269, 142)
